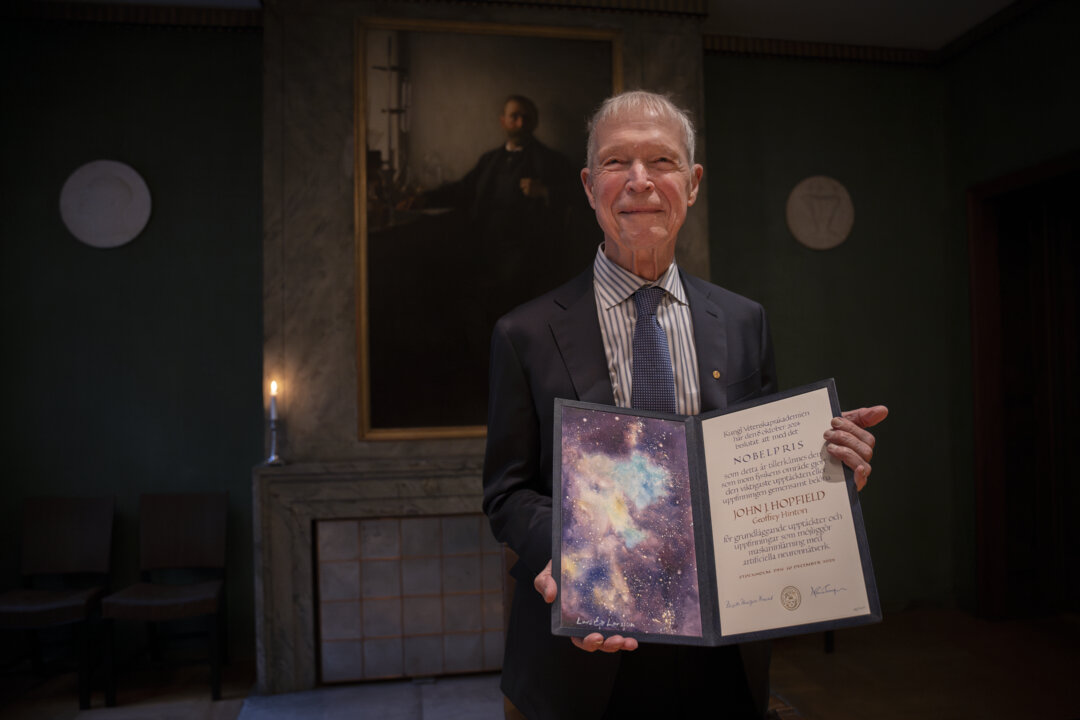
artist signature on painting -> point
(599, 622)
(746, 602)
(826, 589)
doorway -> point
(1024, 237)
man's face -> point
(640, 185)
(517, 121)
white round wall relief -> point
(820, 213)
(105, 204)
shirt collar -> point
(615, 284)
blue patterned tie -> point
(652, 380)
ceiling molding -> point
(695, 8)
(122, 14)
(736, 45)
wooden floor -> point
(149, 693)
(935, 664)
(918, 664)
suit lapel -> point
(577, 335)
(710, 340)
(576, 331)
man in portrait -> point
(525, 215)
(577, 342)
(518, 225)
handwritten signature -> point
(826, 589)
(600, 622)
(746, 602)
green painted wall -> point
(136, 369)
(887, 313)
(867, 312)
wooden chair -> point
(66, 547)
(177, 532)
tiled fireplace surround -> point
(408, 597)
(373, 570)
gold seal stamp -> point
(790, 597)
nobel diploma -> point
(730, 526)
(781, 517)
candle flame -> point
(273, 387)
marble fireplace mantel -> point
(287, 502)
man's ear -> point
(588, 187)
(695, 182)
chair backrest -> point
(182, 530)
(67, 535)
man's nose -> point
(638, 179)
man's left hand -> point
(534, 188)
(547, 587)
(849, 441)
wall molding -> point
(223, 18)
(738, 45)
(697, 8)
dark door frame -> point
(986, 373)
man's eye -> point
(613, 162)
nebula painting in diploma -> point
(628, 558)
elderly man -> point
(576, 342)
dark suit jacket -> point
(551, 348)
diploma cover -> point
(725, 527)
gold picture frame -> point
(427, 101)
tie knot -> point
(647, 299)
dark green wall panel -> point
(868, 312)
(135, 369)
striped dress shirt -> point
(614, 288)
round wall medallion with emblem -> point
(105, 204)
(820, 213)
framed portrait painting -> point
(470, 139)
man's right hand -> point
(546, 586)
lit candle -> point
(273, 399)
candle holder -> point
(275, 425)
(274, 458)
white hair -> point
(641, 102)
